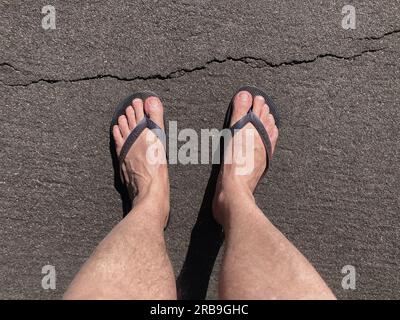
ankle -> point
(154, 200)
(231, 198)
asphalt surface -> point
(333, 188)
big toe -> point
(241, 105)
(154, 109)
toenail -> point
(261, 98)
(153, 102)
(244, 96)
(136, 100)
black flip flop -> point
(146, 122)
(253, 119)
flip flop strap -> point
(250, 117)
(146, 122)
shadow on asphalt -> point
(205, 242)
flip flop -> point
(146, 122)
(253, 119)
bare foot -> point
(229, 179)
(147, 180)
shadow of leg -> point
(205, 242)
(207, 235)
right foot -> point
(229, 181)
(146, 180)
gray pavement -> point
(333, 188)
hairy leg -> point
(259, 262)
(132, 261)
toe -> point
(264, 111)
(269, 124)
(130, 114)
(123, 126)
(117, 138)
(154, 109)
(138, 107)
(258, 105)
(274, 137)
(241, 105)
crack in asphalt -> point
(248, 60)
(5, 64)
(379, 37)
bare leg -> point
(259, 262)
(132, 262)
